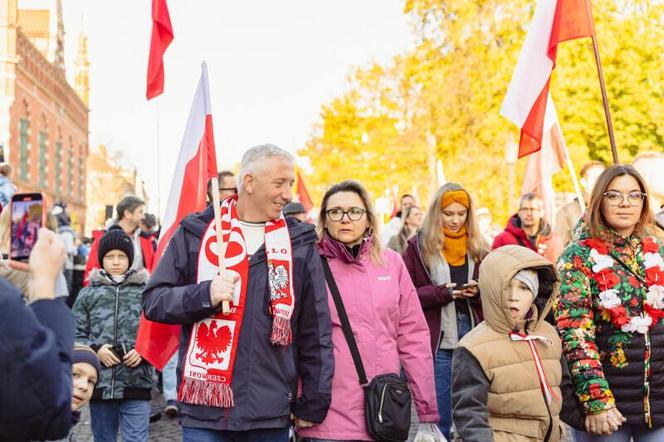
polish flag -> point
(162, 36)
(196, 165)
(527, 95)
(546, 162)
(302, 193)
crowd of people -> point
(348, 330)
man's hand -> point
(106, 356)
(132, 358)
(46, 262)
(221, 288)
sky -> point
(271, 64)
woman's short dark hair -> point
(594, 216)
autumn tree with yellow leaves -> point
(442, 100)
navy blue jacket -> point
(265, 377)
(36, 345)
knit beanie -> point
(530, 279)
(115, 239)
(83, 353)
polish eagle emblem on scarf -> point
(212, 343)
(278, 278)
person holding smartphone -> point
(36, 344)
(443, 260)
(107, 314)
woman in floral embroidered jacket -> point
(610, 313)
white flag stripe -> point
(533, 68)
(191, 139)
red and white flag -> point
(546, 162)
(525, 103)
(162, 35)
(302, 193)
(196, 165)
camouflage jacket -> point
(108, 313)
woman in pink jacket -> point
(383, 309)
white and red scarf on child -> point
(208, 365)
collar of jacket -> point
(101, 277)
(514, 226)
(331, 248)
(606, 234)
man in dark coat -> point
(36, 345)
(265, 375)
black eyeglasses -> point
(616, 198)
(337, 213)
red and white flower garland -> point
(609, 297)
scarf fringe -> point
(281, 332)
(200, 392)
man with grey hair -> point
(238, 371)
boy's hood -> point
(100, 277)
(496, 273)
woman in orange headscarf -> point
(443, 260)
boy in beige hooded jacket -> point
(509, 379)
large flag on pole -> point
(196, 165)
(527, 95)
(162, 35)
(546, 162)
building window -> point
(70, 169)
(43, 158)
(58, 168)
(24, 148)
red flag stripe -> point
(162, 36)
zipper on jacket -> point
(115, 338)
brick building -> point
(43, 119)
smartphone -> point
(465, 286)
(27, 217)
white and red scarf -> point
(208, 366)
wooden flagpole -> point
(602, 85)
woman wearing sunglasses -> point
(383, 310)
(610, 313)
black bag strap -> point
(345, 323)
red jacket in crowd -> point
(547, 244)
(147, 248)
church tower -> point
(82, 70)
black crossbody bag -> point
(387, 397)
